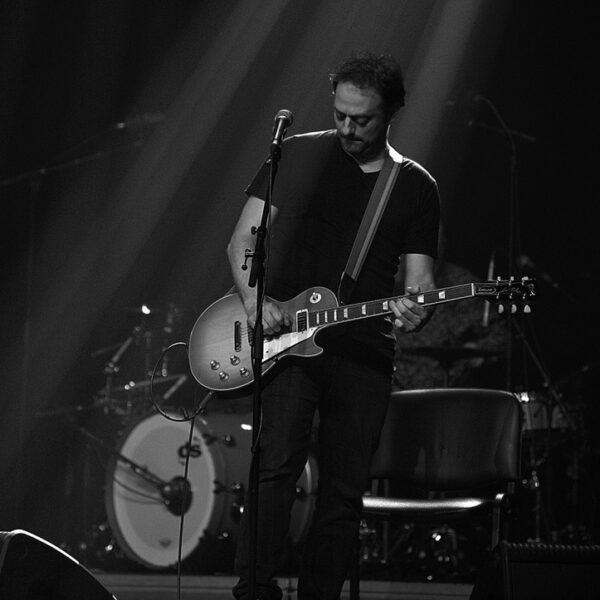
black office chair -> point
(446, 441)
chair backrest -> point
(450, 439)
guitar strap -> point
(370, 222)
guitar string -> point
(375, 303)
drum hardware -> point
(135, 355)
(554, 445)
(133, 386)
(125, 399)
(176, 494)
(237, 506)
(540, 412)
(372, 548)
(227, 440)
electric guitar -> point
(220, 346)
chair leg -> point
(498, 502)
(355, 571)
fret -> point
(382, 307)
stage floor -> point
(164, 587)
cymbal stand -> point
(534, 462)
(532, 483)
(112, 367)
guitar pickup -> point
(302, 320)
(237, 336)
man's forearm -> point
(236, 253)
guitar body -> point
(220, 347)
(220, 350)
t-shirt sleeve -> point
(299, 167)
(422, 236)
(259, 185)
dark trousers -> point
(351, 391)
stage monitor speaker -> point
(33, 569)
(540, 571)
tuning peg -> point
(527, 309)
(513, 309)
(500, 309)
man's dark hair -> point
(381, 72)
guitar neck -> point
(381, 307)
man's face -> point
(360, 121)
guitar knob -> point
(235, 360)
(223, 376)
(214, 365)
(244, 372)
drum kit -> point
(157, 514)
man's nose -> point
(347, 126)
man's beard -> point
(360, 150)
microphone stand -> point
(513, 200)
(175, 493)
(257, 279)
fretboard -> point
(374, 308)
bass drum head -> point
(148, 532)
(144, 525)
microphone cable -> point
(186, 417)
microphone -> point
(283, 119)
(176, 495)
(137, 121)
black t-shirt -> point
(320, 194)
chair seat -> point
(389, 508)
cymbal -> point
(450, 353)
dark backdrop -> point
(122, 216)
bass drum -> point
(145, 491)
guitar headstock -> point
(509, 294)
